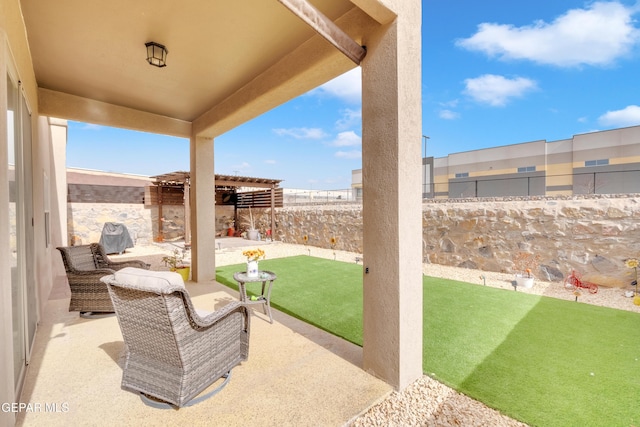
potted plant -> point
(525, 263)
(252, 232)
(253, 255)
(176, 263)
(230, 223)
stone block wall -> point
(591, 234)
(317, 221)
(172, 222)
(85, 221)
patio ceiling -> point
(222, 57)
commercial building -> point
(603, 162)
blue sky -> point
(495, 72)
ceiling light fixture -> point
(156, 54)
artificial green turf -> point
(324, 293)
(541, 360)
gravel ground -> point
(426, 402)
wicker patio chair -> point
(173, 352)
(85, 266)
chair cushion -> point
(148, 280)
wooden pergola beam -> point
(225, 183)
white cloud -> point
(347, 87)
(596, 35)
(629, 116)
(301, 133)
(347, 139)
(448, 115)
(497, 90)
(353, 154)
(450, 104)
(349, 118)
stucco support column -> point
(58, 181)
(58, 202)
(203, 210)
(392, 203)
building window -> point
(462, 175)
(600, 162)
(527, 169)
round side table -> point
(267, 278)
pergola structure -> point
(227, 63)
(174, 189)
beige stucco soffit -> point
(71, 107)
(313, 63)
(326, 28)
(376, 9)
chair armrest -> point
(216, 316)
(132, 263)
(100, 272)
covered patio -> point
(227, 63)
(296, 374)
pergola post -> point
(273, 214)
(159, 189)
(187, 212)
(392, 204)
(203, 210)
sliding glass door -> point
(17, 290)
(21, 239)
(29, 284)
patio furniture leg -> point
(159, 404)
(95, 314)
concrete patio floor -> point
(296, 374)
